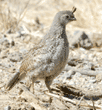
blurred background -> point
(15, 12)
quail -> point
(48, 58)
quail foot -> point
(47, 59)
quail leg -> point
(48, 82)
(33, 79)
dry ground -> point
(17, 13)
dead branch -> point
(71, 101)
(26, 93)
(80, 92)
(84, 72)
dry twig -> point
(84, 72)
(26, 93)
(71, 101)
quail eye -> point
(72, 16)
(67, 16)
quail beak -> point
(73, 19)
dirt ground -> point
(32, 19)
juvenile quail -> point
(49, 57)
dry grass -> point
(88, 14)
(10, 18)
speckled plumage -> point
(49, 57)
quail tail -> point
(13, 81)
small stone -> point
(12, 70)
(9, 31)
(27, 39)
(66, 68)
(56, 81)
(78, 74)
(20, 91)
(7, 108)
(83, 56)
(81, 39)
(66, 76)
(31, 108)
(4, 42)
(1, 70)
(12, 43)
(96, 39)
(99, 102)
(82, 49)
(71, 82)
(15, 57)
(4, 54)
(99, 77)
(70, 74)
(91, 56)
